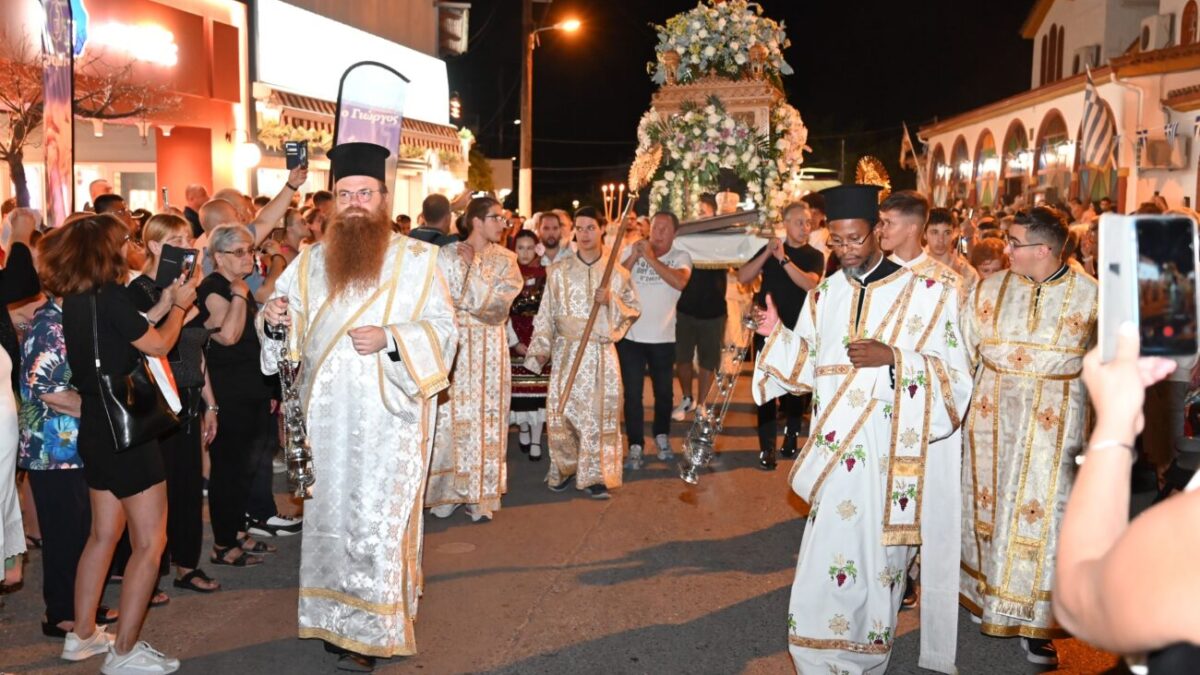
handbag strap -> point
(99, 375)
(95, 333)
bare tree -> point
(104, 90)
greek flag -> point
(1099, 141)
(1143, 135)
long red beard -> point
(355, 242)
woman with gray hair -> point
(227, 311)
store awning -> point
(318, 114)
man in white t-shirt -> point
(659, 273)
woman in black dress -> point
(84, 263)
(183, 448)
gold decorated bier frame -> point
(748, 100)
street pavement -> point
(663, 578)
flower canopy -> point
(720, 38)
(728, 41)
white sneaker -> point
(76, 648)
(680, 412)
(634, 461)
(665, 454)
(141, 660)
(444, 511)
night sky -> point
(859, 73)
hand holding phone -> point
(295, 154)
(1147, 270)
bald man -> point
(195, 195)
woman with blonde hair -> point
(183, 448)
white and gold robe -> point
(472, 426)
(585, 440)
(877, 485)
(1027, 423)
(370, 424)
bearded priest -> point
(369, 316)
(879, 347)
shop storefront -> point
(295, 93)
(191, 58)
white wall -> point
(1083, 21)
(1124, 24)
(1124, 100)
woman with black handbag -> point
(84, 263)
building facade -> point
(1144, 58)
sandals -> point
(356, 663)
(243, 560)
(188, 582)
(258, 547)
(163, 598)
(53, 630)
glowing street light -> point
(525, 175)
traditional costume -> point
(585, 440)
(528, 388)
(876, 489)
(1027, 423)
(471, 442)
(370, 423)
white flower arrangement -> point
(719, 38)
(699, 141)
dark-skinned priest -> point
(371, 321)
(880, 350)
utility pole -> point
(525, 176)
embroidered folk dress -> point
(867, 470)
(472, 425)
(585, 440)
(1027, 423)
(370, 424)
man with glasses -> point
(372, 322)
(879, 348)
(1028, 328)
(471, 441)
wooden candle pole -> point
(591, 320)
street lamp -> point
(525, 175)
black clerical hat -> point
(359, 159)
(852, 202)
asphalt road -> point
(663, 578)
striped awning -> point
(318, 114)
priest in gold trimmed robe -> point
(585, 439)
(879, 347)
(1028, 330)
(369, 317)
(471, 441)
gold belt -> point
(987, 363)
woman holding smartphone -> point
(183, 448)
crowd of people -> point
(927, 366)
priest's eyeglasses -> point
(359, 196)
(855, 243)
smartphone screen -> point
(1166, 283)
(189, 263)
(295, 153)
